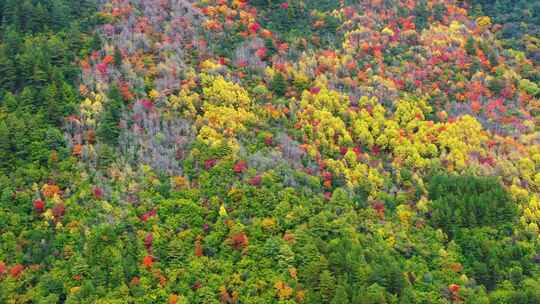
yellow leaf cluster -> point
(387, 31)
(90, 108)
(186, 102)
(359, 174)
(404, 214)
(227, 120)
(329, 100)
(283, 290)
(220, 92)
(368, 127)
(483, 21)
(460, 139)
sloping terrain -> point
(268, 152)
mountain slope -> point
(300, 151)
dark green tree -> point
(8, 70)
(469, 201)
(470, 46)
(109, 129)
(341, 295)
(279, 84)
(117, 57)
(327, 286)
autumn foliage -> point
(231, 151)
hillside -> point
(235, 151)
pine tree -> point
(470, 46)
(117, 57)
(26, 17)
(40, 18)
(5, 145)
(341, 296)
(74, 39)
(422, 14)
(56, 50)
(52, 105)
(109, 130)
(279, 84)
(39, 76)
(54, 138)
(10, 14)
(69, 98)
(311, 272)
(12, 41)
(7, 70)
(27, 99)
(8, 102)
(327, 286)
(374, 294)
(59, 15)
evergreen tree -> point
(69, 98)
(468, 201)
(28, 100)
(39, 73)
(279, 84)
(59, 15)
(374, 294)
(341, 296)
(422, 14)
(109, 130)
(117, 57)
(52, 104)
(54, 139)
(8, 103)
(10, 13)
(470, 46)
(8, 71)
(40, 18)
(327, 286)
(5, 145)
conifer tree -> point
(341, 296)
(327, 286)
(109, 130)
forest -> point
(270, 151)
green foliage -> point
(492, 258)
(297, 20)
(279, 84)
(470, 46)
(109, 128)
(519, 20)
(528, 293)
(421, 13)
(250, 208)
(38, 47)
(468, 202)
